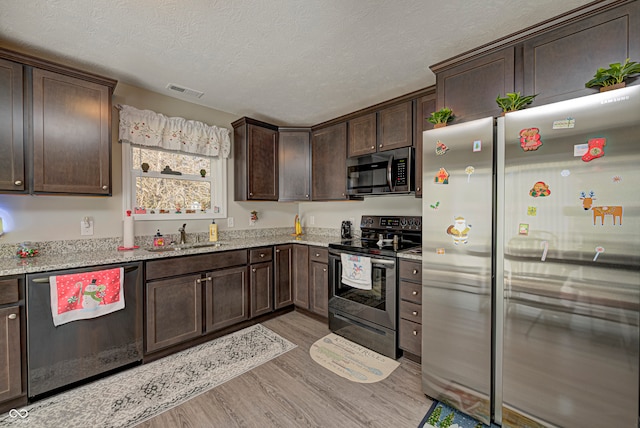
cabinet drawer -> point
(261, 255)
(411, 271)
(411, 311)
(317, 254)
(411, 292)
(9, 291)
(411, 337)
(191, 264)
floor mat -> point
(442, 416)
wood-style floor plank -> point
(294, 391)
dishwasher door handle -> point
(46, 279)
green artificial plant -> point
(443, 115)
(514, 101)
(616, 73)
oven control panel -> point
(391, 222)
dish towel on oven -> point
(86, 295)
(356, 271)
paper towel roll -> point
(128, 231)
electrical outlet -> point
(86, 226)
(312, 220)
(230, 222)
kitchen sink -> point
(184, 247)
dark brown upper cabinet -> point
(425, 105)
(362, 135)
(294, 163)
(12, 168)
(470, 88)
(395, 127)
(66, 117)
(329, 163)
(255, 160)
(558, 63)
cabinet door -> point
(301, 276)
(261, 289)
(10, 358)
(319, 288)
(294, 165)
(174, 311)
(226, 298)
(395, 127)
(283, 274)
(263, 163)
(424, 107)
(362, 135)
(470, 89)
(558, 63)
(329, 163)
(11, 121)
(71, 135)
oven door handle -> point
(389, 170)
(383, 262)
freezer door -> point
(457, 265)
(572, 262)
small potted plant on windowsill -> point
(614, 77)
(514, 101)
(441, 117)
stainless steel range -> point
(363, 284)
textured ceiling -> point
(292, 62)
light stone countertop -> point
(52, 262)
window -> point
(175, 186)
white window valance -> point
(148, 128)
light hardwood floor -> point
(293, 391)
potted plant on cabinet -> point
(441, 117)
(514, 101)
(614, 77)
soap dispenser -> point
(158, 239)
(213, 231)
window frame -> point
(217, 178)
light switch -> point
(86, 227)
(230, 222)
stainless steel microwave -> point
(381, 173)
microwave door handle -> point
(389, 170)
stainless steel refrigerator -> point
(531, 264)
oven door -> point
(377, 305)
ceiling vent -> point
(185, 91)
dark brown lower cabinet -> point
(319, 281)
(226, 298)
(174, 311)
(410, 290)
(10, 356)
(261, 289)
(301, 276)
(283, 276)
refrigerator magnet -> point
(567, 123)
(532, 211)
(545, 250)
(595, 149)
(580, 150)
(598, 251)
(441, 148)
(565, 173)
(469, 170)
(442, 177)
(616, 179)
(530, 139)
(523, 229)
(459, 230)
(435, 206)
(477, 146)
(440, 251)
(540, 189)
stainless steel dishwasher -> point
(83, 349)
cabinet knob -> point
(415, 293)
(414, 313)
(253, 270)
(250, 193)
(317, 254)
(306, 196)
(12, 316)
(417, 189)
(208, 278)
(380, 146)
(415, 271)
(18, 183)
(373, 147)
(261, 255)
(324, 269)
(105, 187)
(277, 251)
(415, 333)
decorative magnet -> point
(613, 211)
(436, 205)
(545, 250)
(616, 179)
(523, 229)
(459, 230)
(477, 146)
(564, 124)
(469, 170)
(442, 177)
(598, 251)
(530, 139)
(565, 173)
(441, 148)
(580, 150)
(532, 211)
(596, 149)
(587, 201)
(540, 189)
(440, 251)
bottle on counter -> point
(213, 231)
(158, 239)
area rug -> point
(442, 416)
(135, 395)
(350, 360)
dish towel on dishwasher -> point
(356, 271)
(86, 295)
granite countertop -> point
(51, 262)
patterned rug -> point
(442, 416)
(135, 395)
(350, 360)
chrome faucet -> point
(183, 234)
